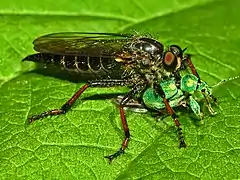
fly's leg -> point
(173, 115)
(64, 109)
(194, 71)
(192, 67)
(133, 105)
(135, 90)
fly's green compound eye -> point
(169, 61)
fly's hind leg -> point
(133, 105)
(65, 108)
(135, 90)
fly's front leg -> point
(173, 115)
(135, 90)
(64, 109)
(188, 60)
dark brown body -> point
(95, 67)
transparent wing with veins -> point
(86, 44)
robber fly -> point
(137, 62)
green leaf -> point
(72, 146)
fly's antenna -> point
(226, 80)
(184, 49)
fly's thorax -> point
(148, 45)
(155, 73)
(142, 56)
(144, 50)
(144, 65)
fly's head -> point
(157, 62)
(172, 58)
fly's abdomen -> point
(97, 66)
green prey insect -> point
(187, 93)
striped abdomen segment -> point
(80, 64)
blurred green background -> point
(72, 146)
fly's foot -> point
(115, 155)
(182, 144)
(34, 118)
(45, 114)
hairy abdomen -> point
(102, 67)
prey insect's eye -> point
(169, 61)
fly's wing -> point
(86, 44)
(90, 46)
